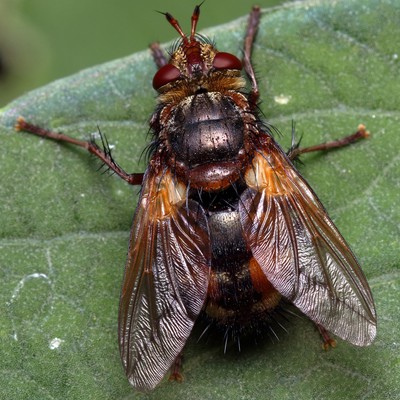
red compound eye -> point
(166, 74)
(226, 61)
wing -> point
(300, 250)
(166, 279)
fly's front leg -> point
(158, 55)
(295, 151)
(251, 31)
(104, 154)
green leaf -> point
(65, 227)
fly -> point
(225, 225)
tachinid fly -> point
(225, 225)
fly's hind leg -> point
(328, 342)
(103, 153)
(176, 369)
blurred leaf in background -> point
(64, 227)
(24, 57)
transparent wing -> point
(301, 251)
(166, 280)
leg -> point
(296, 151)
(176, 367)
(328, 342)
(158, 55)
(251, 31)
(103, 154)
